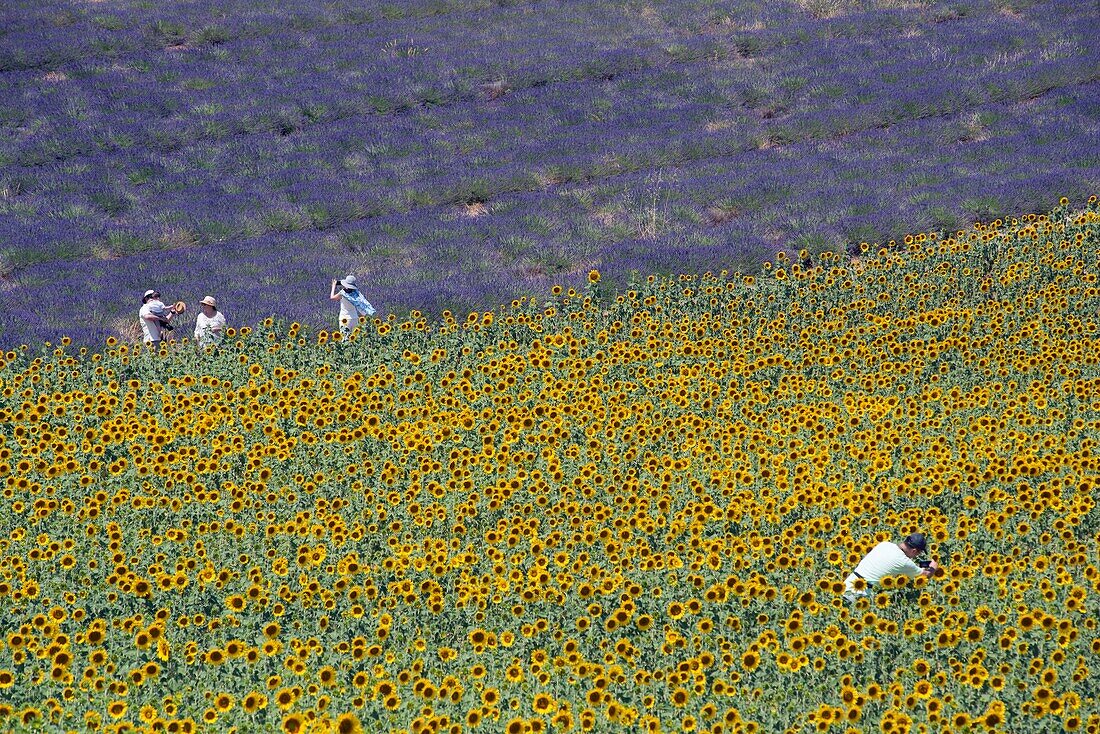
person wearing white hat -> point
(210, 324)
(155, 318)
(352, 303)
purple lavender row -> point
(49, 229)
(299, 197)
(153, 107)
(477, 27)
(484, 173)
(821, 194)
(52, 35)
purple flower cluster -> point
(458, 153)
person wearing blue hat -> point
(889, 559)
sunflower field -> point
(583, 511)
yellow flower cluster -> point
(588, 513)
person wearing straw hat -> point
(155, 318)
(889, 559)
(352, 303)
(210, 324)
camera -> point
(924, 564)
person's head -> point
(914, 545)
(149, 295)
(209, 305)
(349, 283)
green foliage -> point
(577, 511)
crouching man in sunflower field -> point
(888, 559)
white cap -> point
(209, 301)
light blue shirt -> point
(362, 305)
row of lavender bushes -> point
(459, 153)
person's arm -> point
(163, 313)
(334, 296)
(913, 570)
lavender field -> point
(459, 153)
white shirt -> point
(151, 326)
(885, 559)
(349, 317)
(209, 330)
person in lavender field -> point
(155, 317)
(352, 303)
(210, 324)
